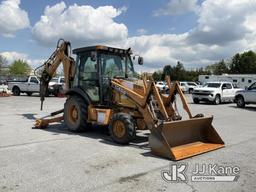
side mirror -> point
(94, 56)
(224, 88)
(140, 60)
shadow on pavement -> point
(248, 108)
(96, 132)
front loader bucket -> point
(178, 140)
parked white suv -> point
(161, 85)
(247, 96)
(56, 85)
(187, 86)
(215, 92)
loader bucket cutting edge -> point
(182, 139)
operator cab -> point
(97, 65)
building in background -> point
(240, 80)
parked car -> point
(215, 92)
(183, 86)
(29, 85)
(188, 86)
(161, 85)
(247, 96)
(56, 85)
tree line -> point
(244, 63)
(17, 67)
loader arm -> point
(60, 55)
(171, 137)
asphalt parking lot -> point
(56, 160)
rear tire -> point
(121, 128)
(217, 100)
(240, 102)
(16, 91)
(75, 114)
(196, 101)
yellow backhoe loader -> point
(102, 88)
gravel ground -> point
(56, 160)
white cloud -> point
(12, 56)
(177, 7)
(223, 21)
(79, 24)
(12, 18)
(224, 28)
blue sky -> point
(195, 32)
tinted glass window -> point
(114, 65)
(253, 86)
(192, 84)
(88, 68)
(33, 80)
(229, 86)
(62, 80)
(88, 76)
(213, 85)
(54, 80)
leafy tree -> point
(179, 71)
(244, 63)
(3, 62)
(157, 75)
(247, 63)
(19, 67)
(218, 68)
(235, 64)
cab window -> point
(62, 80)
(33, 80)
(253, 86)
(226, 86)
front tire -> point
(240, 102)
(75, 114)
(196, 101)
(16, 91)
(217, 100)
(121, 128)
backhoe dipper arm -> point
(60, 55)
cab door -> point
(226, 91)
(33, 85)
(250, 95)
(88, 78)
(111, 66)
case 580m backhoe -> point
(102, 89)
